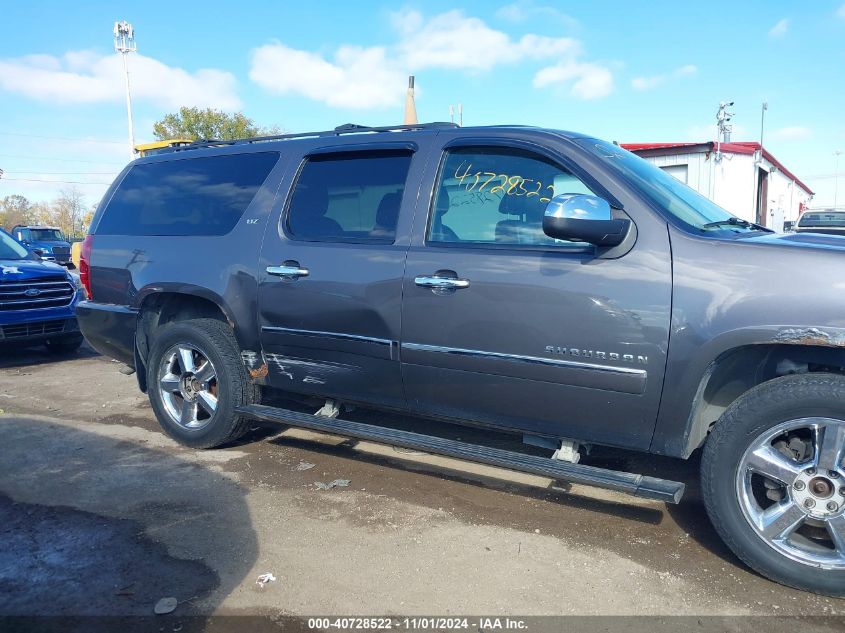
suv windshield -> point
(10, 249)
(666, 191)
(828, 218)
(46, 235)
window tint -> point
(822, 219)
(349, 197)
(10, 249)
(196, 196)
(497, 196)
(46, 235)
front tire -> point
(196, 380)
(773, 480)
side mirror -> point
(38, 251)
(581, 218)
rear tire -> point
(196, 380)
(773, 480)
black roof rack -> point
(346, 128)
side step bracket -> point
(630, 483)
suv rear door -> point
(505, 326)
(331, 272)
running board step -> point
(630, 483)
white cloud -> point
(840, 13)
(584, 80)
(653, 81)
(358, 77)
(791, 133)
(89, 77)
(780, 28)
(453, 40)
(524, 10)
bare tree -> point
(68, 211)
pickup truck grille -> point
(35, 293)
(61, 250)
(25, 330)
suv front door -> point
(331, 273)
(505, 326)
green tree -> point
(15, 209)
(194, 123)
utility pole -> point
(763, 122)
(460, 114)
(723, 128)
(124, 43)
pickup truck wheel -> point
(773, 480)
(197, 379)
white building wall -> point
(732, 184)
(784, 199)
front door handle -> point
(441, 283)
(288, 270)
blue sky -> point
(625, 71)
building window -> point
(680, 172)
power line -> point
(58, 182)
(63, 160)
(62, 138)
(64, 173)
(820, 176)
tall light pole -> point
(763, 122)
(124, 43)
(836, 179)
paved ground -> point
(100, 513)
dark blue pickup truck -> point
(37, 300)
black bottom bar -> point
(630, 483)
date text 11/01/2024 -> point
(421, 623)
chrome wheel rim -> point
(187, 383)
(791, 487)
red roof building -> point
(743, 177)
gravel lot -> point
(102, 514)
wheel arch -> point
(159, 308)
(739, 369)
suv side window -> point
(349, 197)
(195, 196)
(498, 196)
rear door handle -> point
(288, 270)
(441, 283)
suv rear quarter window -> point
(194, 196)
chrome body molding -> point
(332, 335)
(536, 360)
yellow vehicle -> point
(144, 149)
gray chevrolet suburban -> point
(528, 280)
